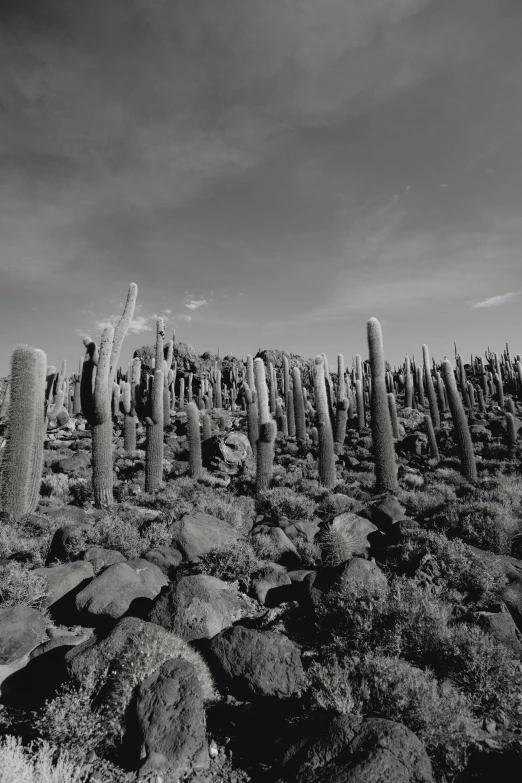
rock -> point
(257, 664)
(354, 574)
(74, 465)
(21, 630)
(193, 608)
(349, 749)
(301, 531)
(99, 557)
(287, 554)
(62, 579)
(511, 594)
(227, 452)
(166, 732)
(346, 536)
(118, 586)
(196, 534)
(51, 458)
(267, 579)
(386, 513)
(501, 626)
(165, 557)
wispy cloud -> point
(183, 317)
(496, 301)
(141, 323)
(194, 304)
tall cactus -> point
(194, 440)
(382, 434)
(299, 406)
(324, 426)
(408, 384)
(267, 430)
(22, 463)
(430, 389)
(432, 438)
(460, 423)
(154, 421)
(98, 373)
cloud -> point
(496, 301)
(194, 304)
(183, 317)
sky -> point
(271, 174)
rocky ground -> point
(301, 636)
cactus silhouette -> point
(324, 426)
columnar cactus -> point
(430, 389)
(392, 407)
(252, 419)
(341, 421)
(324, 426)
(460, 423)
(267, 430)
(299, 405)
(98, 373)
(206, 427)
(382, 434)
(77, 404)
(291, 413)
(272, 385)
(194, 440)
(341, 387)
(408, 384)
(154, 421)
(511, 433)
(432, 439)
(250, 372)
(286, 381)
(22, 464)
(359, 399)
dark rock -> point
(267, 579)
(194, 607)
(166, 732)
(349, 749)
(257, 664)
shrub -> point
(408, 621)
(20, 585)
(30, 535)
(452, 564)
(483, 523)
(35, 764)
(284, 502)
(376, 686)
(236, 562)
(55, 485)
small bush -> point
(20, 585)
(19, 764)
(284, 502)
(56, 485)
(451, 564)
(408, 621)
(485, 524)
(236, 562)
(377, 686)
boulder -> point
(349, 749)
(194, 607)
(256, 664)
(196, 534)
(100, 558)
(166, 729)
(269, 578)
(165, 557)
(62, 579)
(118, 586)
(21, 630)
(73, 465)
(501, 626)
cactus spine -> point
(382, 434)
(460, 423)
(22, 463)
